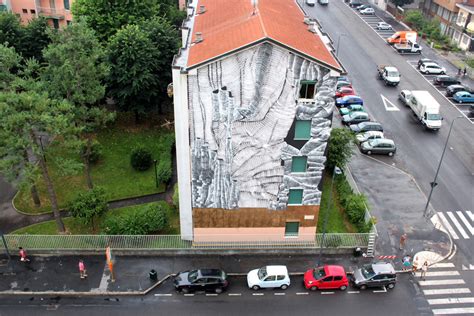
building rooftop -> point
(228, 26)
(465, 7)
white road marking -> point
(471, 216)
(381, 291)
(442, 273)
(466, 222)
(353, 292)
(302, 293)
(327, 293)
(211, 294)
(279, 294)
(451, 300)
(163, 294)
(461, 290)
(188, 294)
(234, 294)
(257, 294)
(442, 282)
(448, 225)
(452, 311)
(459, 227)
(389, 106)
(442, 265)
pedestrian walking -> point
(403, 239)
(406, 263)
(82, 269)
(459, 72)
(464, 71)
(23, 257)
(424, 269)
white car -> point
(362, 137)
(311, 2)
(432, 68)
(367, 11)
(269, 277)
(383, 26)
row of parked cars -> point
(369, 134)
(380, 274)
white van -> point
(323, 2)
(311, 2)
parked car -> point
(367, 11)
(351, 108)
(326, 277)
(375, 275)
(341, 84)
(343, 91)
(383, 26)
(444, 80)
(421, 61)
(310, 2)
(432, 68)
(348, 100)
(214, 280)
(363, 137)
(366, 126)
(355, 3)
(463, 97)
(355, 118)
(381, 146)
(362, 7)
(343, 78)
(269, 277)
(452, 89)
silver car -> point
(383, 26)
(380, 274)
(378, 146)
(363, 137)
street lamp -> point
(156, 174)
(336, 170)
(338, 42)
(433, 184)
(7, 251)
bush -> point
(355, 209)
(176, 196)
(89, 205)
(96, 152)
(164, 171)
(141, 159)
(149, 219)
(344, 190)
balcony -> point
(51, 13)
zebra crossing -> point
(460, 224)
(446, 291)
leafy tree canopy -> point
(340, 150)
(401, 3)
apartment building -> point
(253, 85)
(58, 12)
(464, 29)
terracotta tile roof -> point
(228, 25)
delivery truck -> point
(402, 37)
(424, 106)
(389, 75)
(408, 48)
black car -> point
(366, 126)
(214, 280)
(444, 80)
(424, 60)
(355, 3)
(452, 89)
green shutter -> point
(292, 228)
(298, 164)
(303, 130)
(295, 196)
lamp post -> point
(338, 42)
(7, 251)
(156, 174)
(336, 170)
(433, 184)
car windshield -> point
(372, 142)
(367, 271)
(192, 276)
(393, 74)
(262, 273)
(319, 273)
(433, 117)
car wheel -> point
(391, 286)
(369, 152)
(218, 290)
(363, 287)
(343, 288)
(313, 288)
(390, 153)
(443, 73)
(185, 290)
(460, 101)
(284, 286)
(255, 287)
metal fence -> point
(174, 242)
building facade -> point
(253, 104)
(464, 29)
(58, 12)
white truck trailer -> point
(424, 106)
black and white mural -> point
(241, 110)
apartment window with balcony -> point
(307, 89)
(67, 5)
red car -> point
(343, 91)
(326, 277)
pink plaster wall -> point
(18, 6)
(251, 234)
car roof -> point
(456, 86)
(383, 267)
(431, 64)
(383, 23)
(210, 272)
(391, 68)
(351, 97)
(334, 270)
(368, 123)
(277, 270)
(384, 141)
(374, 133)
(358, 113)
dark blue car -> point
(348, 100)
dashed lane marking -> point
(163, 294)
(302, 293)
(381, 291)
(188, 294)
(327, 293)
(279, 294)
(211, 294)
(461, 290)
(235, 294)
(257, 294)
(451, 300)
(353, 292)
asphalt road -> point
(418, 150)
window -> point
(33, 11)
(56, 23)
(270, 278)
(379, 277)
(303, 130)
(291, 229)
(280, 277)
(327, 279)
(338, 278)
(66, 5)
(25, 10)
(295, 197)
(307, 89)
(298, 164)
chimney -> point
(202, 9)
(312, 27)
(198, 37)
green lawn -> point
(76, 227)
(337, 221)
(113, 172)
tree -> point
(11, 32)
(23, 116)
(75, 72)
(401, 3)
(133, 60)
(107, 17)
(340, 150)
(35, 39)
(89, 206)
(9, 60)
(415, 19)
